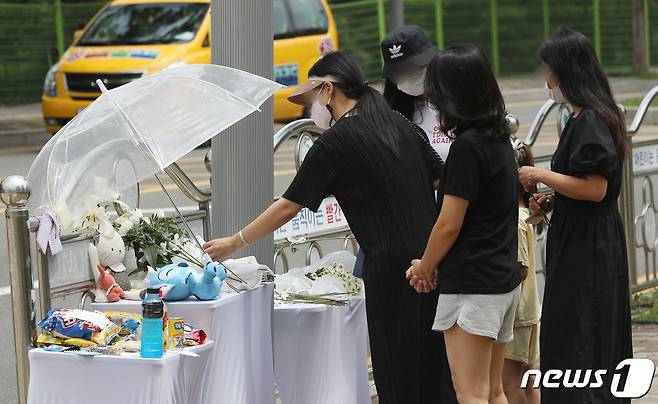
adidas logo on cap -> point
(396, 51)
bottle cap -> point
(153, 310)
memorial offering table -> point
(69, 378)
(321, 353)
(240, 369)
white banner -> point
(328, 219)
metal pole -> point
(242, 163)
(493, 11)
(438, 22)
(596, 22)
(14, 192)
(59, 26)
(627, 202)
(396, 18)
(647, 33)
(44, 283)
(381, 19)
(207, 224)
(547, 19)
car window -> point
(145, 24)
(299, 17)
(281, 18)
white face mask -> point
(555, 94)
(413, 84)
(320, 114)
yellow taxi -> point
(128, 39)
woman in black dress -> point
(383, 174)
(586, 313)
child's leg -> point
(469, 357)
(512, 375)
(496, 393)
(532, 396)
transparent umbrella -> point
(134, 131)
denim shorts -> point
(486, 315)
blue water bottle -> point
(152, 312)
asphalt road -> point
(523, 98)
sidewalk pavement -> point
(645, 346)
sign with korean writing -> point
(328, 219)
(645, 158)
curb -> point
(23, 137)
(22, 128)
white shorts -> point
(486, 315)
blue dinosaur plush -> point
(207, 285)
(179, 281)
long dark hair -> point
(571, 58)
(371, 107)
(399, 100)
(461, 86)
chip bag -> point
(76, 323)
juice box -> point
(175, 333)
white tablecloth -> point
(67, 378)
(321, 353)
(240, 370)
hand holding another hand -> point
(421, 277)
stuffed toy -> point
(180, 281)
(107, 283)
(109, 252)
(206, 285)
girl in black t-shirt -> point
(474, 241)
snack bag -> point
(45, 340)
(193, 336)
(76, 323)
(129, 322)
(81, 343)
(128, 345)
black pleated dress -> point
(390, 206)
(585, 320)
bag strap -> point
(422, 136)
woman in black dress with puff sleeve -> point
(586, 314)
(383, 174)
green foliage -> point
(520, 29)
(152, 241)
(634, 102)
(27, 32)
(644, 308)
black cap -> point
(405, 48)
(153, 309)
